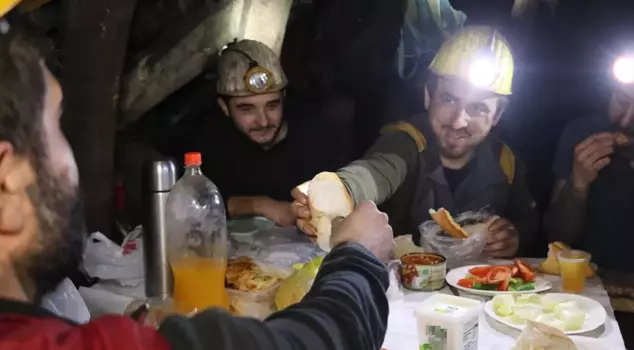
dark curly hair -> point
(22, 91)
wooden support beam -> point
(94, 38)
(162, 71)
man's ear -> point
(223, 106)
(427, 98)
(6, 163)
(16, 174)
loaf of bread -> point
(328, 199)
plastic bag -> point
(457, 251)
(395, 290)
(66, 302)
(109, 261)
(279, 246)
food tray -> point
(257, 304)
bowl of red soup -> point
(423, 271)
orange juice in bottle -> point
(197, 243)
(573, 265)
(199, 283)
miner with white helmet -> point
(446, 158)
(251, 85)
(256, 149)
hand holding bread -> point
(318, 204)
(367, 226)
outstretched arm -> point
(345, 309)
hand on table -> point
(503, 240)
(280, 213)
(367, 226)
(301, 210)
(591, 155)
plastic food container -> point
(423, 271)
(257, 304)
(448, 322)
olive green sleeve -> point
(380, 172)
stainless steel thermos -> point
(159, 178)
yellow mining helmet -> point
(6, 6)
(249, 67)
(478, 54)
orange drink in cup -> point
(573, 265)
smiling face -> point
(461, 116)
(259, 117)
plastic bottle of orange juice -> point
(197, 244)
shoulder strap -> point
(507, 162)
(411, 130)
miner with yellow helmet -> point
(259, 146)
(446, 157)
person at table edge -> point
(593, 199)
(263, 144)
(42, 236)
(446, 158)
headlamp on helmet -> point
(257, 78)
(623, 69)
(484, 68)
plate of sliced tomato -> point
(517, 277)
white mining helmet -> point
(249, 67)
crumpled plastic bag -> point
(457, 251)
(65, 301)
(109, 261)
(395, 290)
(278, 246)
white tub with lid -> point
(447, 322)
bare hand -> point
(280, 212)
(367, 226)
(301, 211)
(591, 155)
(503, 240)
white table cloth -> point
(288, 246)
(402, 332)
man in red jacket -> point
(41, 232)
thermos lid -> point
(160, 175)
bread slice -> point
(328, 198)
(621, 139)
(551, 264)
(540, 336)
(444, 219)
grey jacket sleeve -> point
(380, 172)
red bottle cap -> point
(193, 158)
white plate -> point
(585, 343)
(595, 313)
(541, 285)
